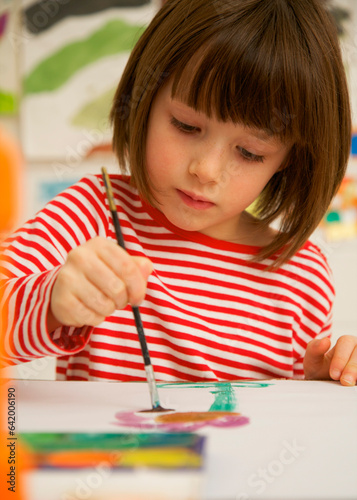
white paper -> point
(300, 442)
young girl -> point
(222, 104)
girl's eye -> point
(184, 127)
(248, 156)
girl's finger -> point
(99, 263)
(72, 312)
(71, 285)
(349, 374)
(342, 353)
(129, 269)
(94, 299)
(105, 281)
(85, 316)
(314, 360)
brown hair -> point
(274, 65)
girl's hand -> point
(338, 363)
(97, 278)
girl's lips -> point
(194, 202)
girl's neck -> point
(251, 231)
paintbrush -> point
(155, 401)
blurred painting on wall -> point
(9, 81)
(74, 55)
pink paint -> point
(132, 419)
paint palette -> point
(124, 450)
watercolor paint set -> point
(116, 450)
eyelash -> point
(248, 156)
(189, 129)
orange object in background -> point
(11, 163)
(10, 171)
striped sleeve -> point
(30, 261)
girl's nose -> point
(208, 164)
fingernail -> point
(335, 374)
(348, 379)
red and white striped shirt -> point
(209, 313)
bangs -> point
(246, 83)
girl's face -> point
(204, 172)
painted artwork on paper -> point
(222, 413)
(73, 59)
(180, 421)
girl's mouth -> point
(193, 201)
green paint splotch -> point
(114, 37)
(94, 115)
(224, 395)
(224, 398)
(8, 103)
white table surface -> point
(300, 442)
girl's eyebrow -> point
(262, 135)
(183, 106)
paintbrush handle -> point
(117, 229)
(141, 333)
(138, 322)
(112, 208)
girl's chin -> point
(186, 221)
